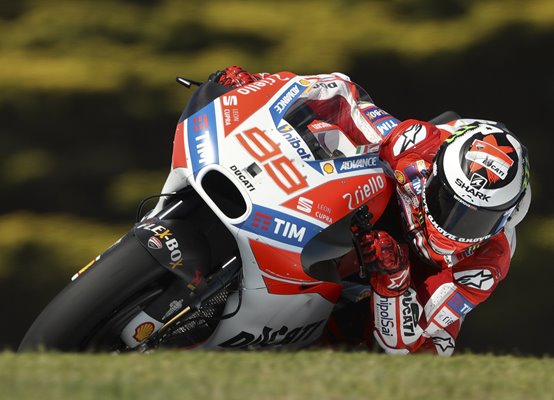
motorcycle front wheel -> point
(90, 312)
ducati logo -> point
(488, 154)
(478, 181)
(154, 243)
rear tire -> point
(85, 315)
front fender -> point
(177, 246)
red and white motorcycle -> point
(240, 250)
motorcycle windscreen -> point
(325, 122)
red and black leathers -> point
(449, 279)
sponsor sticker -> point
(317, 210)
(163, 236)
(477, 181)
(350, 164)
(444, 344)
(384, 313)
(272, 337)
(413, 175)
(155, 243)
(279, 226)
(374, 184)
(460, 305)
(385, 127)
(282, 104)
(202, 138)
(380, 119)
(328, 168)
(399, 177)
(294, 139)
(486, 153)
(143, 331)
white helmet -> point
(480, 174)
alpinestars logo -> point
(443, 343)
(398, 281)
(481, 279)
(413, 135)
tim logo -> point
(459, 304)
(200, 123)
(230, 100)
(279, 226)
(478, 181)
(202, 138)
(261, 221)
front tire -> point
(117, 283)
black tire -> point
(116, 284)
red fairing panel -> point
(241, 103)
(350, 193)
(283, 273)
(179, 158)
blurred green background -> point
(88, 107)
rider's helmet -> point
(479, 176)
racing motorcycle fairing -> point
(294, 196)
(240, 250)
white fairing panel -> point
(265, 319)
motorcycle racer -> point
(445, 244)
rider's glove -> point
(233, 76)
(386, 262)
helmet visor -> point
(457, 219)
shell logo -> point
(143, 331)
(328, 168)
(399, 177)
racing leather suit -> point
(444, 288)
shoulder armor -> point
(411, 136)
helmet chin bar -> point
(441, 232)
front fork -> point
(171, 306)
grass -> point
(304, 375)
